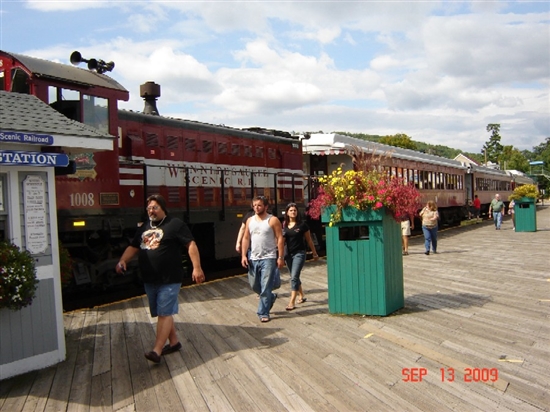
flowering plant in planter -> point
(524, 191)
(365, 188)
(18, 280)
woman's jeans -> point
(430, 236)
(295, 264)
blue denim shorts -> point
(163, 299)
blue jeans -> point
(295, 264)
(497, 217)
(260, 277)
(163, 298)
(430, 237)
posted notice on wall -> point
(36, 230)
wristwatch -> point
(281, 258)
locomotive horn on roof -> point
(93, 64)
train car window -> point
(65, 101)
(96, 112)
(414, 177)
(190, 144)
(222, 148)
(271, 153)
(2, 80)
(151, 140)
(248, 151)
(172, 142)
(207, 146)
(440, 181)
(20, 81)
(260, 152)
(235, 149)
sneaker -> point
(427, 253)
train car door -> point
(318, 165)
(469, 186)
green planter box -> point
(526, 215)
(364, 263)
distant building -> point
(465, 159)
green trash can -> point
(364, 263)
(526, 215)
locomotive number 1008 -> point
(82, 199)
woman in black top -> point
(296, 234)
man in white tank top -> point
(264, 235)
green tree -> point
(476, 156)
(542, 152)
(512, 159)
(492, 148)
(399, 140)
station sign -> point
(31, 138)
(16, 158)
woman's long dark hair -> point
(298, 215)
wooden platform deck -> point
(481, 307)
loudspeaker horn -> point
(76, 58)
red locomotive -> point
(207, 173)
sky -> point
(437, 71)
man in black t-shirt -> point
(159, 244)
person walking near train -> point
(296, 233)
(264, 235)
(477, 207)
(407, 224)
(496, 208)
(512, 213)
(430, 217)
(158, 244)
(238, 246)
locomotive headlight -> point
(79, 223)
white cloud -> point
(437, 71)
(65, 5)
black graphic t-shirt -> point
(161, 250)
(295, 238)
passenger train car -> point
(452, 184)
(207, 173)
